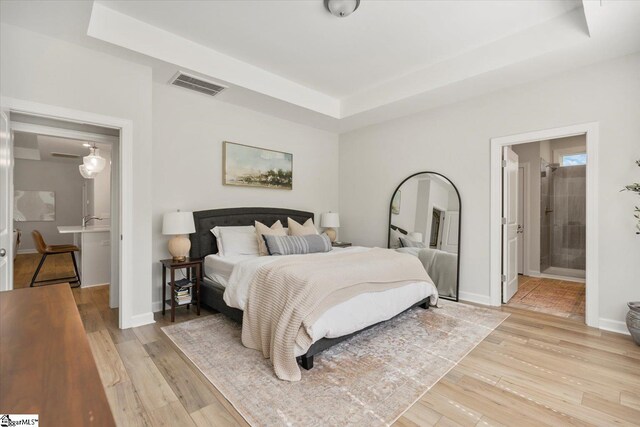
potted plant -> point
(633, 317)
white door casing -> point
(450, 232)
(510, 224)
(521, 220)
(6, 214)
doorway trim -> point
(126, 279)
(591, 132)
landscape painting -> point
(34, 206)
(257, 167)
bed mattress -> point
(235, 274)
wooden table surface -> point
(46, 364)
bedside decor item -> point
(633, 320)
(415, 236)
(635, 187)
(256, 167)
(34, 206)
(395, 203)
(330, 221)
(178, 224)
(184, 291)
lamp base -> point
(179, 247)
(331, 232)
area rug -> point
(368, 380)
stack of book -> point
(183, 292)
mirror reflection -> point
(424, 221)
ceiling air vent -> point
(189, 82)
(65, 155)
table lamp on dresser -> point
(179, 225)
(330, 221)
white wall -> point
(406, 218)
(42, 69)
(455, 141)
(189, 129)
(102, 192)
(62, 178)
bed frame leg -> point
(425, 305)
(306, 362)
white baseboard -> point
(27, 251)
(156, 306)
(532, 273)
(83, 286)
(476, 298)
(140, 320)
(614, 326)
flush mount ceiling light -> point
(341, 8)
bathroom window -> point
(575, 159)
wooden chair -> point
(47, 250)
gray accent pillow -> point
(408, 243)
(296, 245)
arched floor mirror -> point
(424, 221)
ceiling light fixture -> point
(92, 164)
(341, 8)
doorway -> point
(501, 262)
(55, 203)
(121, 195)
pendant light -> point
(85, 173)
(341, 8)
(93, 163)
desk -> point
(46, 364)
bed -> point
(219, 272)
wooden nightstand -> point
(191, 282)
(340, 244)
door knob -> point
(3, 252)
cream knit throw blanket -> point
(287, 296)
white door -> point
(510, 224)
(450, 232)
(520, 220)
(6, 194)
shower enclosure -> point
(562, 219)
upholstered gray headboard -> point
(203, 241)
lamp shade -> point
(330, 220)
(178, 223)
(415, 236)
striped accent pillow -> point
(296, 245)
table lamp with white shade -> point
(179, 225)
(415, 236)
(330, 221)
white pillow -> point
(235, 238)
(394, 242)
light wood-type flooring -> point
(54, 266)
(533, 370)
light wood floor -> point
(54, 266)
(533, 370)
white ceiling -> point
(381, 41)
(293, 60)
(40, 147)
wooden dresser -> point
(46, 365)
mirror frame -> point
(457, 298)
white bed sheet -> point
(219, 268)
(343, 319)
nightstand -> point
(187, 287)
(340, 244)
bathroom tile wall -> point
(545, 218)
(568, 238)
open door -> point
(6, 196)
(450, 232)
(509, 224)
